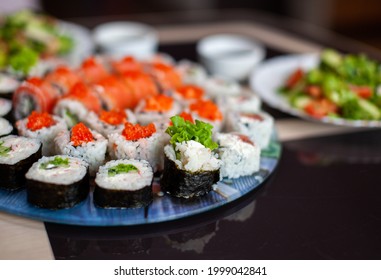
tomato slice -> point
(320, 108)
(365, 92)
(294, 78)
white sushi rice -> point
(193, 157)
(246, 102)
(132, 181)
(5, 127)
(21, 148)
(150, 148)
(8, 83)
(46, 134)
(191, 72)
(217, 86)
(258, 129)
(93, 121)
(5, 107)
(76, 108)
(238, 158)
(94, 152)
(60, 175)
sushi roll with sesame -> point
(257, 126)
(156, 108)
(57, 182)
(190, 165)
(191, 73)
(124, 183)
(44, 127)
(17, 155)
(216, 87)
(246, 102)
(108, 122)
(139, 142)
(5, 127)
(239, 156)
(83, 143)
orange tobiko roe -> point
(133, 132)
(206, 109)
(80, 134)
(113, 117)
(191, 92)
(37, 121)
(159, 103)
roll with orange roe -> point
(84, 143)
(139, 142)
(108, 122)
(207, 111)
(44, 127)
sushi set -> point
(127, 141)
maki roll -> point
(156, 108)
(62, 78)
(17, 155)
(57, 182)
(74, 106)
(8, 84)
(92, 70)
(34, 94)
(191, 73)
(190, 166)
(108, 122)
(83, 143)
(257, 126)
(239, 156)
(6, 109)
(216, 87)
(207, 111)
(139, 142)
(126, 64)
(5, 127)
(187, 94)
(165, 75)
(124, 183)
(246, 102)
(44, 127)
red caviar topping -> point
(113, 117)
(190, 92)
(80, 134)
(37, 121)
(135, 132)
(206, 109)
(160, 103)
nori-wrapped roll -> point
(190, 166)
(124, 184)
(57, 182)
(17, 154)
(181, 183)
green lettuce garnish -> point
(121, 168)
(4, 151)
(56, 162)
(183, 130)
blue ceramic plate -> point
(163, 208)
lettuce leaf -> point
(183, 130)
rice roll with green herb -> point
(190, 165)
(17, 154)
(57, 182)
(125, 183)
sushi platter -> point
(124, 141)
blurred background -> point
(360, 20)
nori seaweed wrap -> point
(17, 154)
(124, 184)
(57, 182)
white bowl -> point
(230, 56)
(126, 38)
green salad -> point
(341, 86)
(25, 37)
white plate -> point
(83, 42)
(270, 75)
